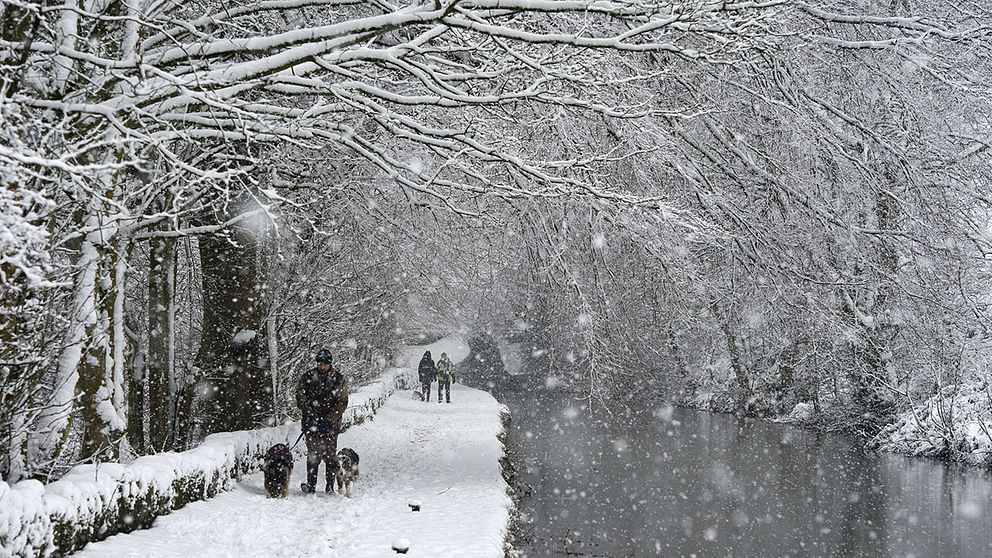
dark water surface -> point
(674, 482)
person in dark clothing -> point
(427, 371)
(322, 396)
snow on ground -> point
(446, 456)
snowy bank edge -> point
(516, 489)
(93, 502)
(922, 430)
(955, 424)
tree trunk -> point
(136, 405)
(15, 399)
(116, 371)
(101, 376)
(736, 358)
(736, 361)
(232, 354)
(55, 420)
(93, 365)
(161, 339)
(182, 423)
(870, 390)
(681, 370)
(101, 372)
(272, 335)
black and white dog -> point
(347, 472)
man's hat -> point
(323, 356)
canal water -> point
(672, 482)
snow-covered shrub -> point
(801, 413)
(93, 502)
(363, 404)
(956, 423)
(24, 208)
(25, 286)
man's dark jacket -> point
(427, 371)
(322, 397)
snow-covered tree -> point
(760, 163)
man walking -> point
(426, 371)
(322, 396)
(444, 376)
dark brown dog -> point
(347, 472)
(278, 468)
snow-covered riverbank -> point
(955, 424)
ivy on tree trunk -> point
(232, 356)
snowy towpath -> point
(444, 455)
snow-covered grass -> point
(95, 501)
(444, 457)
(956, 423)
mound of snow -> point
(802, 412)
(401, 545)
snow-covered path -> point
(444, 455)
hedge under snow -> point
(93, 502)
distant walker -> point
(445, 375)
(426, 371)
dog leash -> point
(297, 440)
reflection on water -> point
(673, 482)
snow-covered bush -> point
(956, 423)
(93, 502)
(24, 208)
(363, 404)
(25, 286)
(802, 413)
